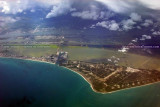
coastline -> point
(87, 80)
(110, 91)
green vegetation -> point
(54, 46)
(86, 53)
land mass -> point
(104, 77)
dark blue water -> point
(35, 84)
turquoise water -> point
(36, 84)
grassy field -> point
(86, 53)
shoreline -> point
(62, 67)
(88, 81)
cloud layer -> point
(60, 7)
(122, 6)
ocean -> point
(26, 83)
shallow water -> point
(37, 84)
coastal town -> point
(104, 77)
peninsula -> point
(104, 77)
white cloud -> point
(93, 26)
(117, 5)
(122, 6)
(86, 15)
(5, 21)
(73, 9)
(128, 24)
(135, 40)
(94, 15)
(19, 6)
(15, 6)
(105, 15)
(32, 10)
(104, 24)
(144, 37)
(8, 19)
(123, 50)
(5, 6)
(59, 9)
(138, 27)
(156, 33)
(114, 26)
(147, 23)
(52, 2)
(111, 25)
(135, 17)
(123, 25)
(154, 4)
(93, 12)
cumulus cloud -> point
(94, 15)
(18, 6)
(14, 6)
(123, 25)
(144, 37)
(93, 12)
(131, 22)
(86, 15)
(138, 27)
(73, 9)
(147, 23)
(103, 24)
(59, 9)
(93, 26)
(135, 17)
(51, 2)
(111, 25)
(32, 10)
(114, 26)
(5, 7)
(135, 40)
(7, 20)
(156, 33)
(128, 24)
